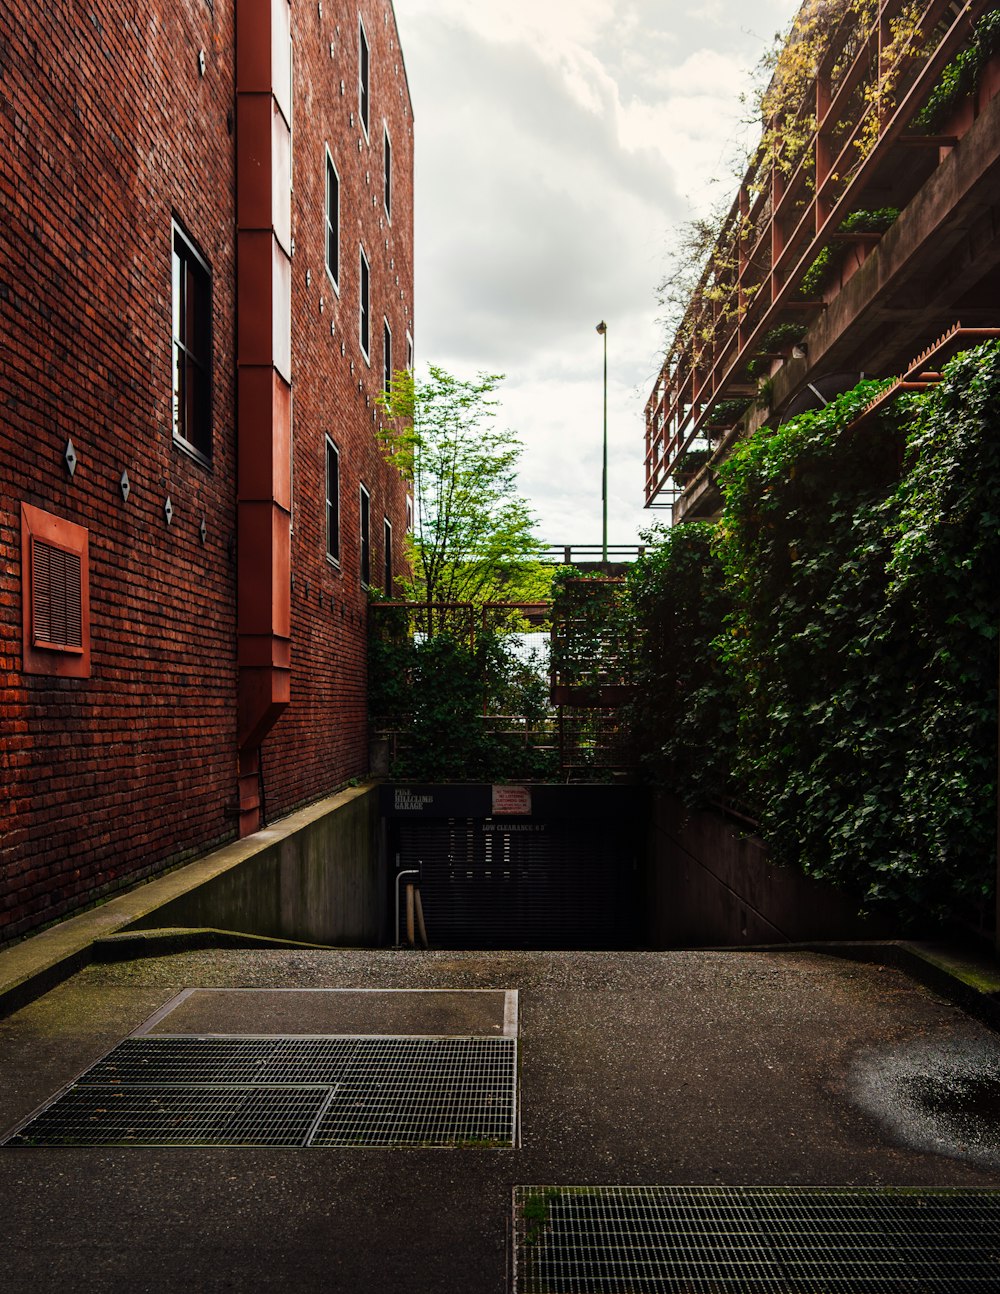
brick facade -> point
(114, 124)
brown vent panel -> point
(56, 597)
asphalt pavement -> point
(637, 1068)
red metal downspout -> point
(264, 375)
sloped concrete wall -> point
(709, 883)
(318, 876)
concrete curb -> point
(132, 944)
(32, 967)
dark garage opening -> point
(522, 867)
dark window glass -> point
(388, 175)
(332, 501)
(387, 581)
(332, 221)
(363, 75)
(365, 320)
(386, 355)
(192, 347)
(365, 538)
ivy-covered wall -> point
(828, 656)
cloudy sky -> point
(557, 143)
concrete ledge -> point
(31, 968)
(132, 944)
(971, 982)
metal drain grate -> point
(416, 1092)
(747, 1240)
(175, 1116)
(366, 1091)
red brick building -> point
(206, 274)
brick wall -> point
(108, 130)
(334, 388)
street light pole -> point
(602, 328)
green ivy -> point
(829, 654)
(802, 546)
(683, 723)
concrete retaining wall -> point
(711, 884)
(318, 876)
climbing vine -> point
(845, 616)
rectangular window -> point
(332, 501)
(332, 221)
(387, 580)
(387, 152)
(366, 538)
(55, 595)
(409, 353)
(363, 75)
(192, 348)
(364, 307)
(386, 356)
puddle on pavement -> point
(968, 1099)
(941, 1095)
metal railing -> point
(590, 554)
(779, 222)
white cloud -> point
(557, 141)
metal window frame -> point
(332, 552)
(364, 78)
(364, 534)
(188, 254)
(365, 305)
(387, 171)
(332, 225)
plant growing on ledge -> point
(961, 76)
(831, 257)
(690, 463)
(726, 412)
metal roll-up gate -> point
(565, 874)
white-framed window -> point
(386, 356)
(364, 72)
(191, 396)
(387, 556)
(364, 307)
(409, 351)
(387, 171)
(365, 529)
(332, 216)
(332, 502)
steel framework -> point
(787, 211)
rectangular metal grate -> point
(456, 1089)
(160, 1090)
(748, 1240)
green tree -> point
(473, 537)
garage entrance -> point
(522, 867)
